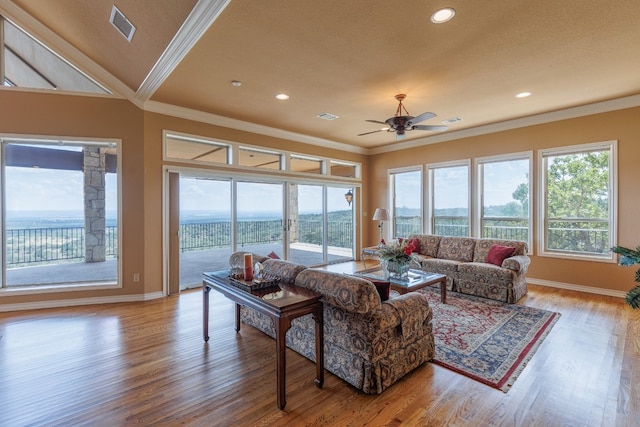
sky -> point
(45, 189)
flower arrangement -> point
(400, 251)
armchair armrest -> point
(413, 310)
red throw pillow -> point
(498, 253)
(416, 244)
(273, 255)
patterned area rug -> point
(486, 340)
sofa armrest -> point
(518, 263)
(413, 310)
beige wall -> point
(623, 126)
(53, 114)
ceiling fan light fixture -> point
(443, 15)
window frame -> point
(478, 194)
(431, 167)
(612, 147)
(391, 179)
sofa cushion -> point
(348, 292)
(456, 248)
(428, 244)
(498, 253)
(287, 271)
(483, 245)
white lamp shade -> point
(381, 214)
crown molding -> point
(554, 116)
(213, 119)
(203, 15)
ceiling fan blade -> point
(430, 127)
(421, 118)
(376, 121)
(375, 131)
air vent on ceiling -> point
(451, 120)
(327, 116)
(122, 24)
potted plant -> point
(630, 257)
(396, 257)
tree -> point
(578, 189)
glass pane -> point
(407, 214)
(343, 169)
(184, 148)
(259, 227)
(340, 225)
(306, 165)
(61, 214)
(451, 201)
(259, 159)
(577, 205)
(306, 232)
(205, 228)
(29, 64)
(505, 207)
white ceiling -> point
(350, 58)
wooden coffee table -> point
(416, 279)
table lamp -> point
(381, 214)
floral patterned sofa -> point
(369, 343)
(465, 262)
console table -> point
(282, 304)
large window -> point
(61, 213)
(578, 200)
(449, 211)
(505, 197)
(406, 187)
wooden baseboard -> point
(579, 288)
(79, 301)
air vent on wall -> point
(122, 24)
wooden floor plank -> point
(146, 364)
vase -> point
(396, 269)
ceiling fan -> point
(401, 124)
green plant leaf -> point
(633, 297)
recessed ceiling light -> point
(523, 94)
(282, 96)
(236, 83)
(443, 15)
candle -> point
(248, 267)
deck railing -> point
(43, 245)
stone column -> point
(94, 204)
(293, 213)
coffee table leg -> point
(443, 291)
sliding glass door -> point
(309, 224)
(259, 225)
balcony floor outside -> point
(192, 265)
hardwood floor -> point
(147, 364)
